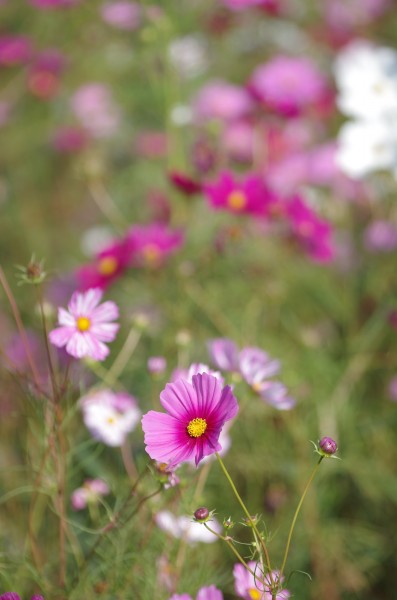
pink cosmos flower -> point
(224, 354)
(15, 596)
(86, 325)
(313, 233)
(221, 100)
(53, 3)
(152, 244)
(156, 365)
(381, 236)
(249, 587)
(96, 110)
(122, 14)
(289, 85)
(89, 492)
(109, 264)
(196, 414)
(110, 416)
(14, 50)
(205, 593)
(70, 139)
(249, 196)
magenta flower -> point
(313, 233)
(45, 72)
(14, 50)
(289, 85)
(249, 196)
(86, 325)
(108, 266)
(196, 414)
(70, 139)
(152, 244)
(90, 492)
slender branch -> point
(228, 541)
(296, 515)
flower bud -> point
(228, 523)
(328, 446)
(201, 514)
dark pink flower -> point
(289, 85)
(70, 139)
(249, 196)
(192, 425)
(152, 244)
(186, 184)
(108, 266)
(14, 50)
(44, 73)
(313, 233)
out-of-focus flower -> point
(224, 354)
(313, 233)
(89, 493)
(249, 587)
(157, 365)
(184, 527)
(289, 85)
(15, 596)
(86, 325)
(238, 140)
(110, 416)
(205, 593)
(152, 244)
(186, 184)
(151, 144)
(367, 146)
(108, 266)
(189, 56)
(122, 14)
(248, 196)
(195, 416)
(166, 474)
(343, 18)
(96, 110)
(70, 139)
(392, 389)
(14, 50)
(44, 73)
(243, 4)
(366, 77)
(381, 236)
(221, 100)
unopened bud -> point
(202, 514)
(228, 523)
(328, 446)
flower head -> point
(313, 233)
(109, 264)
(152, 244)
(184, 527)
(122, 14)
(86, 325)
(89, 492)
(328, 446)
(196, 414)
(249, 196)
(250, 587)
(110, 417)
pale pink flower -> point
(122, 14)
(90, 492)
(96, 110)
(222, 100)
(184, 527)
(86, 325)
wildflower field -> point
(198, 292)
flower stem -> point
(297, 513)
(228, 541)
(250, 520)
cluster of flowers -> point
(366, 76)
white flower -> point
(367, 146)
(110, 417)
(188, 55)
(184, 527)
(366, 77)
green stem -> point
(228, 541)
(250, 520)
(296, 515)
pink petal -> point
(65, 318)
(60, 336)
(179, 400)
(208, 391)
(77, 345)
(166, 439)
(104, 332)
(84, 303)
(108, 311)
(97, 350)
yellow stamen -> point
(196, 427)
(83, 324)
(151, 253)
(254, 594)
(107, 265)
(111, 420)
(237, 200)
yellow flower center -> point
(107, 265)
(83, 324)
(254, 594)
(111, 420)
(237, 200)
(196, 427)
(151, 253)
